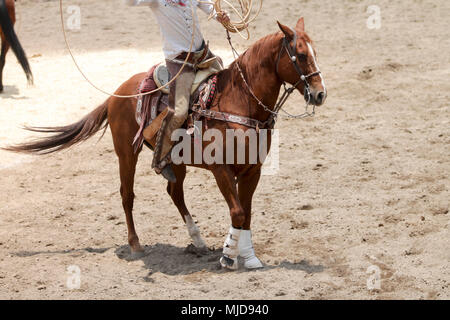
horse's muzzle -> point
(316, 98)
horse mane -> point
(252, 61)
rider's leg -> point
(180, 92)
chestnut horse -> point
(258, 74)
(9, 39)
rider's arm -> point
(139, 2)
(207, 6)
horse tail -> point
(11, 37)
(66, 136)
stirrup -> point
(164, 168)
(166, 172)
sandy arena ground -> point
(362, 186)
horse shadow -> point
(172, 260)
(11, 92)
(25, 254)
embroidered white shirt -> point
(175, 21)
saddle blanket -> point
(148, 107)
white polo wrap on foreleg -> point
(230, 249)
(247, 252)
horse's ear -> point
(301, 25)
(286, 30)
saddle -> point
(152, 109)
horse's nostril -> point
(320, 97)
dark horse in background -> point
(9, 39)
(283, 57)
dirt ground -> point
(362, 187)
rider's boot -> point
(161, 158)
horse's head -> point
(297, 64)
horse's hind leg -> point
(4, 50)
(176, 192)
(127, 167)
(127, 172)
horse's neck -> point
(258, 65)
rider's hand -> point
(223, 17)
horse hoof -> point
(253, 263)
(229, 263)
(200, 251)
(137, 254)
(136, 251)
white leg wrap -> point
(230, 249)
(247, 252)
(194, 232)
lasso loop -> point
(231, 26)
(244, 15)
(116, 95)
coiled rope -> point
(245, 16)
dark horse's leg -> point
(8, 10)
(9, 39)
(246, 188)
(176, 192)
(227, 184)
(5, 47)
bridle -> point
(294, 56)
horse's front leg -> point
(246, 188)
(227, 185)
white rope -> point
(112, 94)
(244, 15)
(231, 26)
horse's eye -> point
(302, 57)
